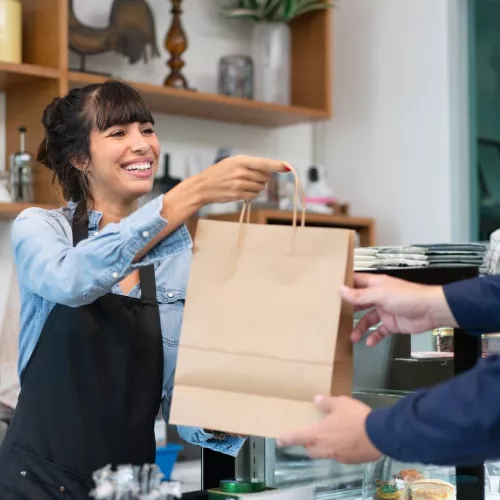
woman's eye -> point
(148, 131)
(118, 133)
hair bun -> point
(42, 155)
(48, 113)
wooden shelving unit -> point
(44, 74)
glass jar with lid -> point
(490, 343)
(442, 340)
(388, 479)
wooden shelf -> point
(12, 75)
(364, 226)
(212, 106)
(9, 211)
(315, 219)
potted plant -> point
(271, 41)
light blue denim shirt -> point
(51, 271)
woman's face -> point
(124, 161)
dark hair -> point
(68, 123)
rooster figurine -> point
(130, 30)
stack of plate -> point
(435, 255)
(455, 255)
(389, 257)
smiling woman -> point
(112, 128)
(103, 284)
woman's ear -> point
(79, 164)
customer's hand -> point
(340, 435)
(401, 306)
(237, 178)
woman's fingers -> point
(249, 188)
(263, 164)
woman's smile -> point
(141, 168)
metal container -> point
(236, 76)
(22, 176)
(442, 340)
(5, 196)
(490, 343)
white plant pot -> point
(272, 61)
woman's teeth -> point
(138, 166)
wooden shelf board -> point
(314, 218)
(9, 211)
(212, 106)
(18, 74)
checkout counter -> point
(381, 376)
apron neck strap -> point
(148, 283)
(80, 228)
(80, 225)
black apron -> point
(89, 395)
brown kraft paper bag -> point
(265, 328)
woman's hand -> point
(237, 178)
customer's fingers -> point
(364, 280)
(298, 437)
(362, 298)
(370, 319)
(377, 336)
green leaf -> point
(313, 8)
(271, 9)
(312, 5)
(241, 13)
(245, 4)
(275, 10)
(289, 7)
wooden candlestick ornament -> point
(176, 43)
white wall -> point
(391, 148)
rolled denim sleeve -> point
(49, 266)
(228, 445)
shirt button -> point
(145, 234)
(170, 295)
(23, 473)
(62, 489)
(115, 275)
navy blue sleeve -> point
(475, 304)
(454, 423)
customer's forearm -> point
(179, 204)
(454, 423)
(439, 309)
